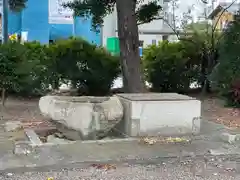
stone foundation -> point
(153, 114)
(85, 115)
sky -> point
(197, 6)
(183, 6)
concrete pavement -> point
(207, 143)
(220, 168)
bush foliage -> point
(90, 68)
(168, 67)
(226, 75)
(10, 63)
(29, 68)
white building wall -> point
(149, 38)
(110, 27)
(155, 24)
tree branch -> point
(214, 27)
(223, 11)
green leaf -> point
(97, 10)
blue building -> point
(44, 21)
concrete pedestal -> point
(159, 114)
(85, 114)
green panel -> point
(113, 45)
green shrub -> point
(91, 69)
(166, 68)
(36, 63)
(28, 69)
(25, 68)
(198, 48)
(10, 61)
(226, 75)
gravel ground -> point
(187, 169)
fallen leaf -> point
(104, 166)
(149, 141)
(176, 140)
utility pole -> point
(173, 10)
(213, 1)
(5, 21)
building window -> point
(166, 16)
(19, 37)
(141, 43)
(154, 42)
(165, 37)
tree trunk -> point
(129, 46)
(55, 83)
(205, 83)
(3, 97)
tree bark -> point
(206, 69)
(3, 96)
(129, 47)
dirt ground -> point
(24, 110)
(213, 109)
(27, 111)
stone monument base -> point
(152, 114)
(82, 117)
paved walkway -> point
(65, 155)
(7, 139)
(163, 169)
(118, 151)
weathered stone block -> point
(33, 137)
(76, 113)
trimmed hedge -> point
(29, 68)
(167, 68)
